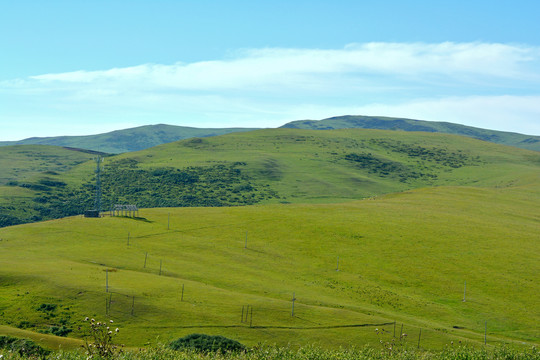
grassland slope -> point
(400, 124)
(352, 268)
(277, 166)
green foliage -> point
(309, 353)
(47, 307)
(23, 347)
(9, 220)
(384, 168)
(442, 156)
(207, 343)
(60, 330)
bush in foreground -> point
(22, 347)
(207, 343)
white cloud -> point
(486, 85)
(291, 67)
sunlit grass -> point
(403, 258)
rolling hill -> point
(144, 137)
(364, 229)
(132, 139)
(268, 166)
(399, 124)
(352, 268)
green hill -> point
(387, 123)
(364, 228)
(144, 137)
(273, 166)
(403, 258)
(28, 170)
(132, 139)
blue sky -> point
(86, 67)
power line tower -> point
(97, 202)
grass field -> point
(403, 257)
(365, 229)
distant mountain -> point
(133, 139)
(144, 137)
(529, 142)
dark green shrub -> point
(47, 307)
(23, 347)
(207, 343)
(60, 330)
(25, 324)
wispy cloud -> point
(260, 67)
(488, 85)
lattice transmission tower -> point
(97, 202)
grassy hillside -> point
(403, 257)
(278, 166)
(386, 123)
(28, 170)
(132, 139)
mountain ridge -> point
(529, 142)
(147, 136)
(127, 140)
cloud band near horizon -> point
(493, 86)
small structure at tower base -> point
(91, 214)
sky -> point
(86, 67)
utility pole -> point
(293, 300)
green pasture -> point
(269, 166)
(403, 258)
(23, 163)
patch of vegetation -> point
(25, 324)
(441, 156)
(59, 330)
(9, 220)
(311, 352)
(123, 182)
(23, 347)
(386, 168)
(207, 343)
(49, 308)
